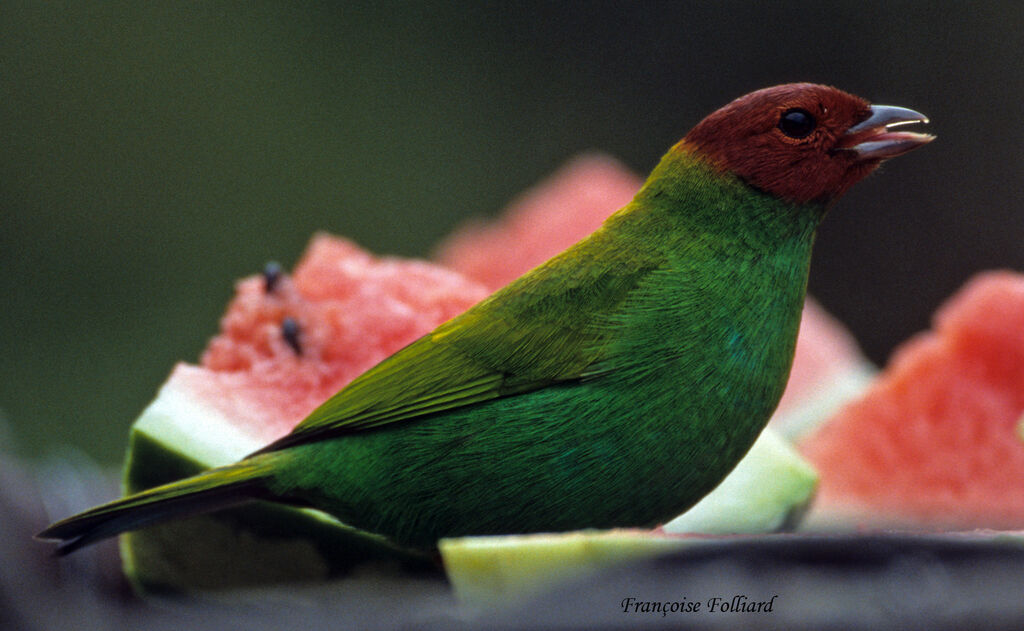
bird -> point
(614, 385)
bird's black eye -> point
(797, 123)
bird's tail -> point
(210, 490)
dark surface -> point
(860, 582)
(855, 582)
(153, 153)
(40, 591)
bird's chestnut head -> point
(803, 142)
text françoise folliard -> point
(739, 603)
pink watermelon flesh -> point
(935, 442)
(828, 367)
(352, 310)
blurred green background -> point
(153, 154)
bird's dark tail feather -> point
(211, 490)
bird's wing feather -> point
(545, 328)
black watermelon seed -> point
(272, 274)
(290, 332)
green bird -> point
(612, 386)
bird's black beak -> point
(871, 139)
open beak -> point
(872, 140)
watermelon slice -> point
(286, 344)
(936, 442)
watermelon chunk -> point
(252, 386)
(936, 442)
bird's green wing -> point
(544, 328)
